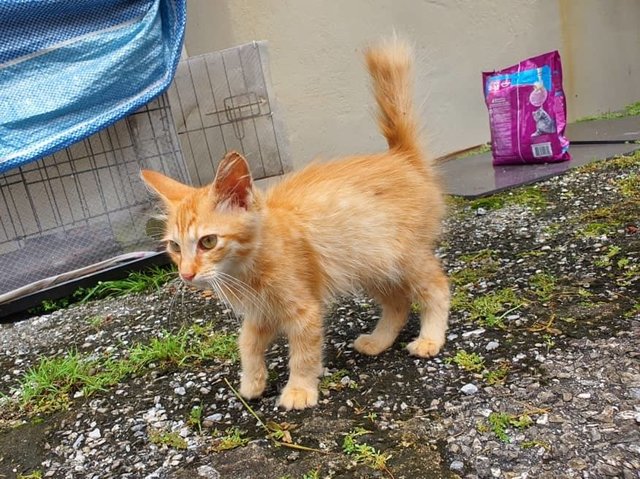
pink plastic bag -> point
(527, 111)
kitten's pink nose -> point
(188, 276)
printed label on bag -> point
(542, 150)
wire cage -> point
(223, 101)
(87, 203)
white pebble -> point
(469, 389)
(491, 345)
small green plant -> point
(313, 474)
(165, 438)
(499, 422)
(363, 453)
(480, 265)
(497, 375)
(33, 475)
(596, 229)
(47, 386)
(548, 341)
(543, 285)
(96, 322)
(630, 186)
(491, 309)
(552, 229)
(335, 381)
(530, 197)
(231, 439)
(478, 150)
(607, 258)
(372, 416)
(472, 362)
(634, 311)
(534, 443)
(623, 263)
(195, 418)
(221, 346)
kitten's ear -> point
(171, 191)
(233, 184)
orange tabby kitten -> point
(364, 222)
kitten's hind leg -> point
(395, 312)
(254, 339)
(305, 358)
(432, 292)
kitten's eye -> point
(208, 242)
(173, 246)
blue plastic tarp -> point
(69, 68)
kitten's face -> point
(211, 232)
(207, 243)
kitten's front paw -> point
(298, 397)
(369, 345)
(251, 388)
(424, 348)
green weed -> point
(47, 386)
(499, 423)
(478, 265)
(314, 474)
(491, 309)
(596, 229)
(630, 186)
(334, 381)
(607, 258)
(472, 362)
(32, 475)
(531, 197)
(232, 438)
(496, 376)
(534, 443)
(478, 150)
(171, 439)
(363, 453)
(543, 285)
(195, 418)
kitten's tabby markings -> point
(363, 222)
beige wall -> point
(322, 88)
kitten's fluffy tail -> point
(390, 66)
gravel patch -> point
(555, 391)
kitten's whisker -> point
(238, 289)
(223, 296)
(243, 287)
(256, 300)
(173, 301)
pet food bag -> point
(527, 111)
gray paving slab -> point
(475, 176)
(620, 129)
